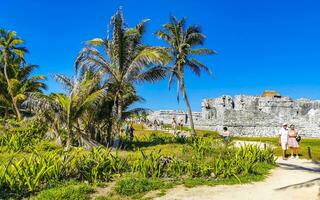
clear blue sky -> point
(265, 44)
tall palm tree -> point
(126, 61)
(15, 76)
(183, 44)
(10, 51)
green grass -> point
(138, 186)
(66, 191)
(314, 143)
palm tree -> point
(65, 112)
(183, 42)
(126, 61)
(15, 76)
(10, 51)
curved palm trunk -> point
(16, 109)
(14, 102)
(184, 95)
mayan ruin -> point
(252, 115)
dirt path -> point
(292, 179)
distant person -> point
(126, 128)
(181, 124)
(226, 134)
(155, 125)
(174, 125)
(283, 139)
(131, 132)
(292, 141)
(161, 125)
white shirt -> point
(283, 134)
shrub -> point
(149, 165)
(100, 165)
(20, 136)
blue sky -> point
(265, 44)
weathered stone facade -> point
(252, 115)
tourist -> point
(126, 128)
(292, 141)
(283, 139)
(155, 125)
(181, 124)
(161, 125)
(131, 130)
(226, 134)
(174, 125)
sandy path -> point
(292, 179)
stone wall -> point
(252, 115)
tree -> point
(15, 76)
(183, 42)
(66, 112)
(127, 61)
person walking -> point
(292, 141)
(283, 139)
(131, 130)
(174, 125)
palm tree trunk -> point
(16, 109)
(5, 69)
(117, 124)
(14, 102)
(69, 139)
(184, 95)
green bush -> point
(22, 135)
(149, 165)
(100, 165)
(32, 174)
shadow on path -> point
(290, 166)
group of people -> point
(175, 124)
(289, 138)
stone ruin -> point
(251, 115)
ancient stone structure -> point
(252, 115)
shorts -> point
(284, 145)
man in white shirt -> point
(283, 139)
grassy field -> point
(313, 143)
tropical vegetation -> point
(68, 145)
